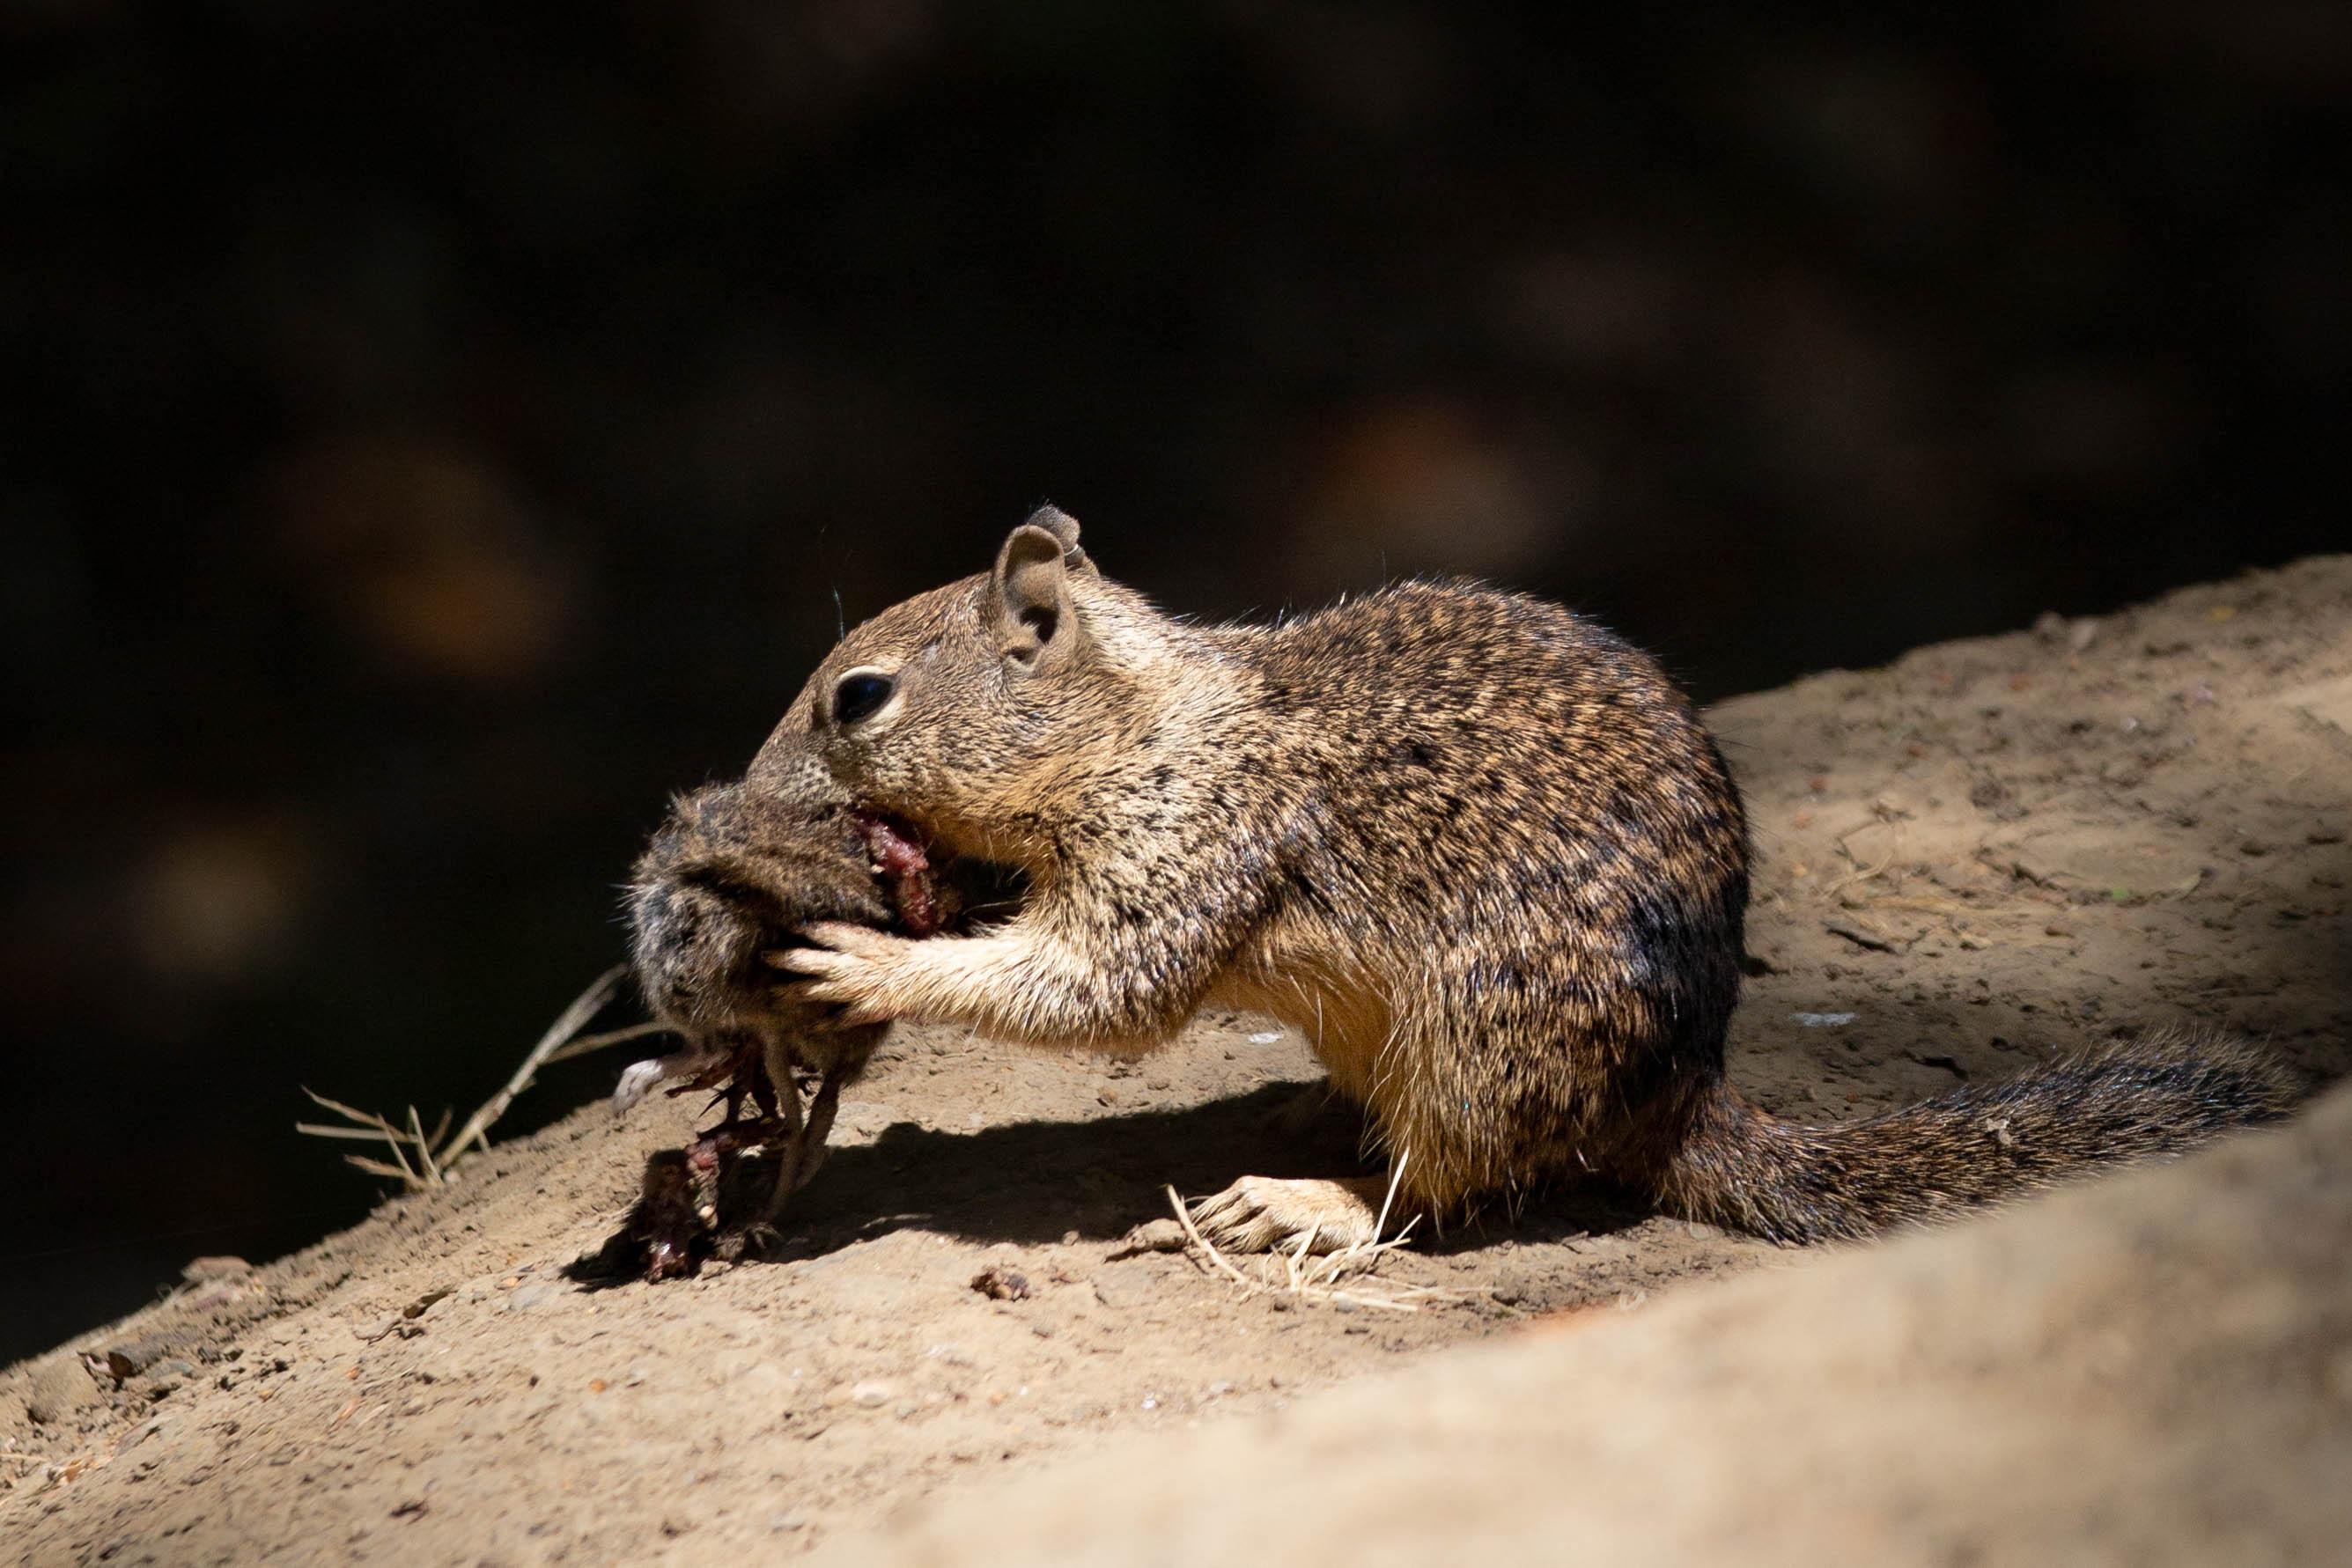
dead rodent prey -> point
(726, 1187)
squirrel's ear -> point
(1064, 528)
(1029, 598)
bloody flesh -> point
(904, 867)
(668, 1225)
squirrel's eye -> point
(860, 695)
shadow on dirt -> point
(1032, 1182)
(2282, 983)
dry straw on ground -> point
(1318, 1275)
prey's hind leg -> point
(778, 1059)
(810, 1149)
(779, 1130)
(804, 1147)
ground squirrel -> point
(1482, 853)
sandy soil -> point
(2156, 1369)
(1988, 851)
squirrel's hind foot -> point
(1265, 1214)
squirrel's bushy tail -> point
(2161, 1094)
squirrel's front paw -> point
(855, 966)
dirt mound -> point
(2154, 1369)
(1987, 852)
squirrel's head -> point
(969, 710)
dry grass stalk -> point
(420, 1160)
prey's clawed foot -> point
(751, 1240)
(1264, 1214)
(639, 1079)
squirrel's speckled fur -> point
(1482, 853)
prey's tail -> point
(1742, 1167)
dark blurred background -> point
(436, 431)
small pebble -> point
(1154, 1236)
(1512, 1286)
(999, 1283)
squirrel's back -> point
(1522, 822)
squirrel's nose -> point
(787, 766)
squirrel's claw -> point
(852, 966)
(1264, 1214)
